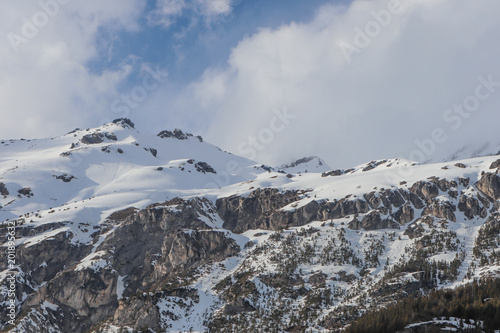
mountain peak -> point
(125, 122)
(177, 134)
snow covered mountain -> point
(101, 169)
(121, 231)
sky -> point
(273, 81)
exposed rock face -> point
(395, 198)
(25, 191)
(489, 184)
(300, 161)
(373, 164)
(65, 177)
(138, 313)
(241, 214)
(336, 172)
(373, 200)
(262, 210)
(3, 189)
(124, 122)
(444, 210)
(425, 190)
(332, 173)
(147, 249)
(87, 294)
(39, 258)
(495, 165)
(174, 239)
(93, 138)
(443, 184)
(110, 136)
(153, 151)
(471, 207)
(204, 167)
(177, 134)
(374, 221)
(405, 214)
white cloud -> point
(394, 91)
(168, 11)
(215, 7)
(45, 81)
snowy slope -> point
(121, 171)
(333, 262)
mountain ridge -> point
(173, 234)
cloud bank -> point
(371, 80)
(365, 80)
(57, 60)
(45, 80)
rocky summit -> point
(113, 230)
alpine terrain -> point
(111, 229)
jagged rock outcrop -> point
(164, 239)
(240, 214)
(373, 164)
(301, 161)
(65, 177)
(177, 133)
(204, 167)
(153, 151)
(445, 210)
(332, 173)
(124, 122)
(404, 214)
(147, 249)
(3, 189)
(495, 165)
(265, 208)
(26, 191)
(93, 138)
(40, 261)
(373, 200)
(394, 197)
(138, 313)
(425, 190)
(373, 221)
(85, 294)
(489, 184)
(471, 207)
(262, 209)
